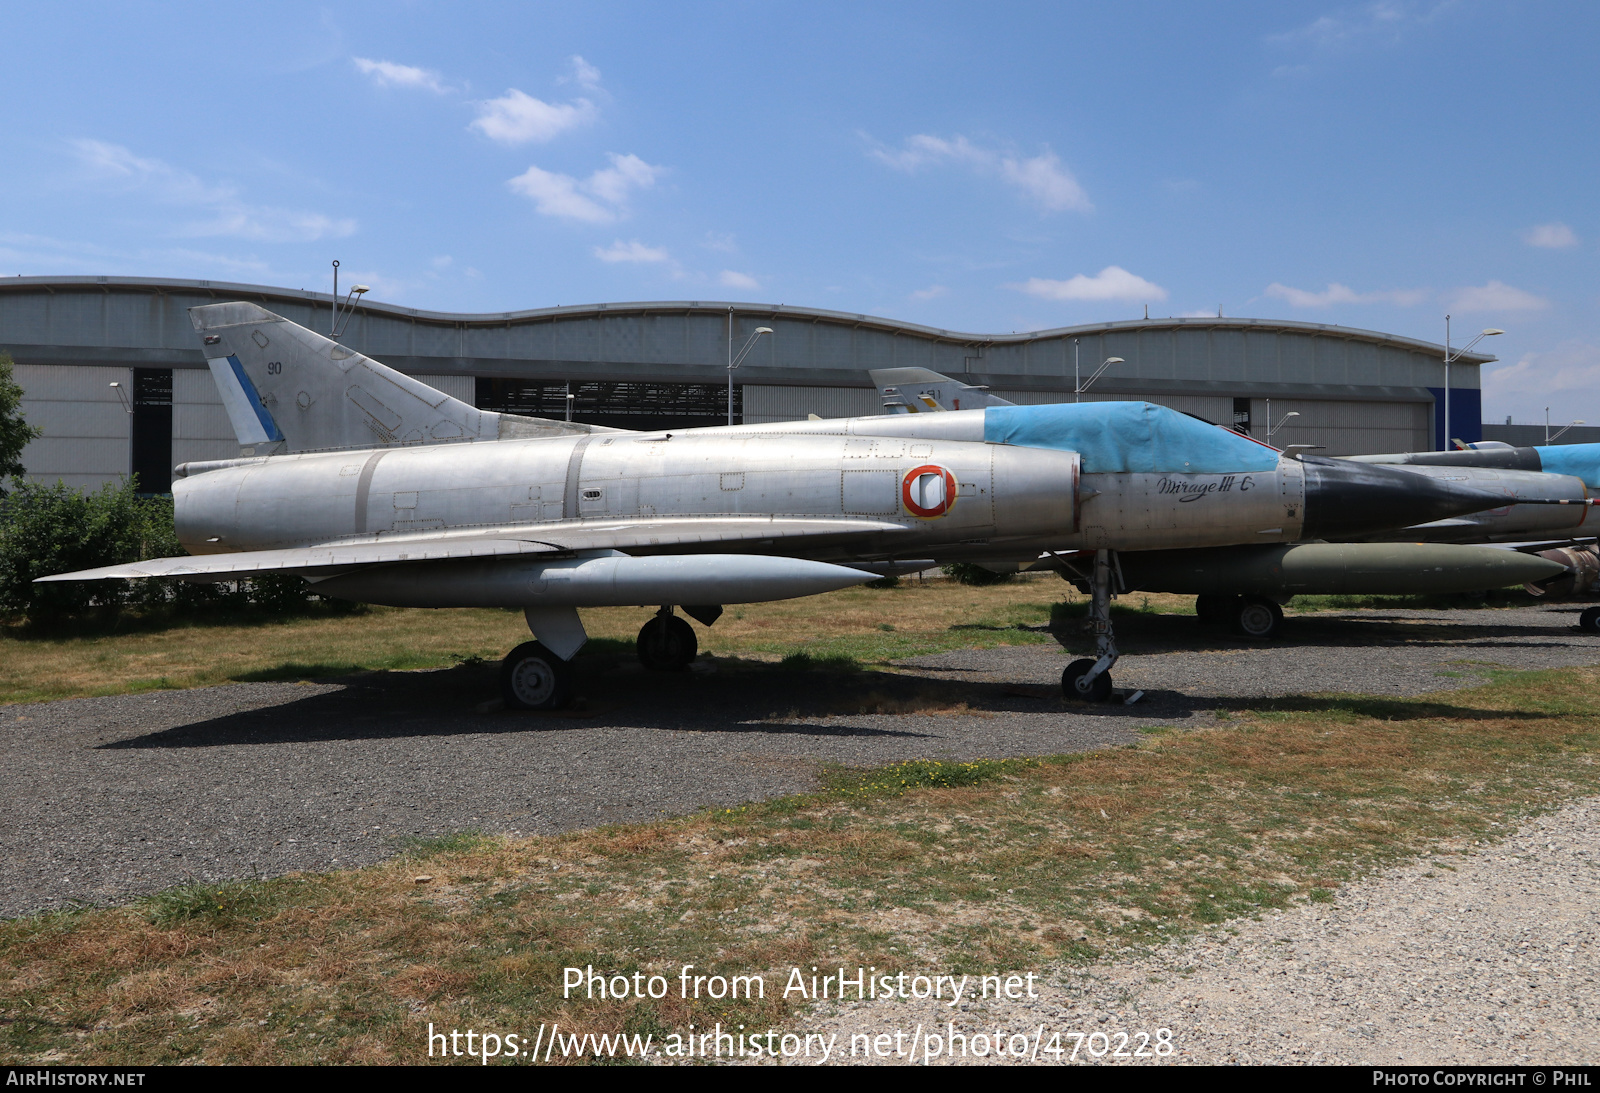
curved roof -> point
(267, 295)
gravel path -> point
(1490, 958)
(1351, 652)
(108, 798)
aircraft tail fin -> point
(289, 389)
(922, 391)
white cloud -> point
(1569, 375)
(389, 74)
(722, 241)
(1047, 182)
(599, 199)
(921, 150)
(1497, 296)
(1041, 178)
(558, 195)
(626, 173)
(1379, 22)
(584, 74)
(518, 118)
(932, 292)
(1111, 283)
(734, 279)
(1342, 294)
(225, 213)
(37, 254)
(112, 163)
(633, 251)
(270, 225)
(1554, 236)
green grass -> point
(957, 866)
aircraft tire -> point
(1257, 618)
(1215, 610)
(1099, 690)
(667, 644)
(1589, 621)
(534, 678)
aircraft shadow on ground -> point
(759, 699)
(741, 698)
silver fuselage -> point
(1009, 500)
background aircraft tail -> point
(921, 390)
(289, 389)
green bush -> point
(973, 574)
(56, 529)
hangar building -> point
(113, 372)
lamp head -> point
(1115, 360)
(1491, 332)
(360, 289)
(763, 330)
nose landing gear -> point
(1090, 680)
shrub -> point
(56, 529)
(973, 574)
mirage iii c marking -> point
(1194, 491)
(375, 487)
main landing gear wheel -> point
(667, 644)
(1099, 689)
(1257, 618)
(534, 678)
(1589, 621)
(1215, 610)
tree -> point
(14, 432)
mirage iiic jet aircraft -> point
(375, 487)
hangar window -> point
(618, 404)
(1241, 416)
(151, 456)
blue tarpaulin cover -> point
(1579, 460)
(1128, 436)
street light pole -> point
(736, 361)
(1080, 388)
(1449, 358)
(1281, 424)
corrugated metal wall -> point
(1341, 427)
(87, 430)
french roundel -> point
(928, 491)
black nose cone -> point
(1346, 499)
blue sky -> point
(984, 168)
